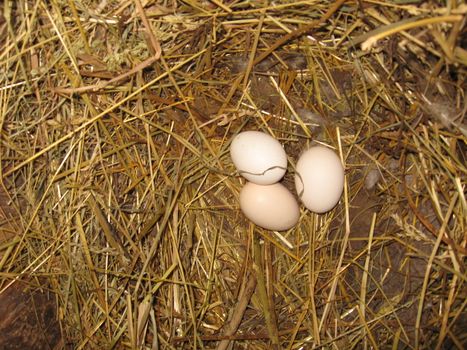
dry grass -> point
(118, 190)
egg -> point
(272, 207)
(319, 179)
(258, 157)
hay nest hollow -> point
(119, 202)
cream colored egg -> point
(272, 207)
(258, 157)
(319, 179)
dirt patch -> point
(29, 318)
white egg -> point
(258, 157)
(272, 207)
(319, 179)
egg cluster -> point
(261, 159)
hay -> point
(119, 199)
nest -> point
(120, 226)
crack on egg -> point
(241, 172)
(303, 185)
